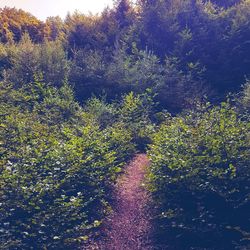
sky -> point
(44, 8)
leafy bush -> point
(135, 112)
(56, 168)
(103, 113)
(200, 175)
(131, 114)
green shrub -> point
(56, 168)
(200, 174)
(135, 113)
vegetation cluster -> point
(79, 97)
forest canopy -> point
(171, 46)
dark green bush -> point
(200, 177)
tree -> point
(29, 59)
(121, 12)
(14, 23)
(24, 61)
(54, 28)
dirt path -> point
(128, 228)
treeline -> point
(181, 49)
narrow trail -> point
(128, 227)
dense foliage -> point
(57, 167)
(176, 47)
(200, 175)
(80, 96)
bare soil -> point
(129, 226)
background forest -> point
(79, 97)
